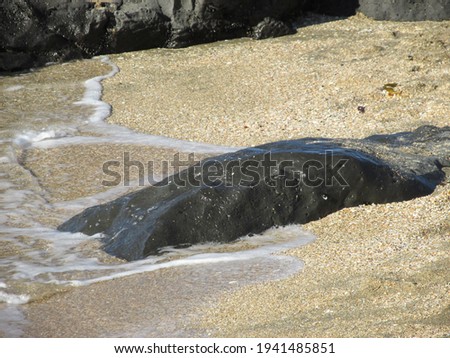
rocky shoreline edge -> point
(246, 192)
(33, 32)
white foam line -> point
(119, 134)
(72, 263)
(13, 299)
(126, 136)
(210, 258)
(28, 138)
(93, 94)
(13, 88)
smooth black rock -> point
(223, 198)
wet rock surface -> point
(249, 191)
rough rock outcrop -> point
(223, 198)
(395, 10)
(26, 39)
(33, 32)
(332, 7)
(406, 10)
(270, 27)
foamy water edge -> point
(42, 269)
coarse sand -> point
(374, 271)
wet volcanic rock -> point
(248, 191)
(33, 32)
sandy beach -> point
(373, 271)
(245, 92)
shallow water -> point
(59, 106)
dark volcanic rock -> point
(333, 7)
(406, 10)
(137, 26)
(271, 28)
(248, 191)
(396, 10)
(33, 32)
(26, 39)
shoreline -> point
(357, 271)
(247, 93)
(62, 181)
(373, 271)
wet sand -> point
(164, 303)
(87, 171)
(374, 271)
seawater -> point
(53, 107)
